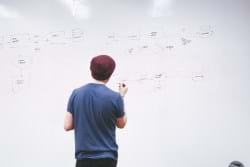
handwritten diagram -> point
(77, 35)
(18, 84)
(21, 63)
(205, 31)
(17, 40)
(130, 45)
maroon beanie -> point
(102, 67)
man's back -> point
(95, 109)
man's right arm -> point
(121, 122)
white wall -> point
(186, 65)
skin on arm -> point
(68, 122)
(121, 122)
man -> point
(94, 111)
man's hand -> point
(123, 89)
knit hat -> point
(102, 67)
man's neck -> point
(100, 82)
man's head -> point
(102, 67)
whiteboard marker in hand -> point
(123, 89)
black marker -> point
(122, 84)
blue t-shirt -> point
(95, 109)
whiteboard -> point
(186, 65)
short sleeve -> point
(120, 107)
(70, 103)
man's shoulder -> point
(80, 89)
(83, 87)
(112, 92)
(102, 89)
